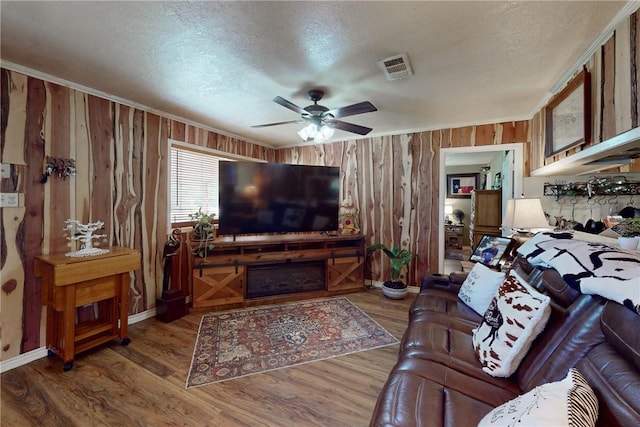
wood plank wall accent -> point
(615, 101)
(393, 181)
(121, 159)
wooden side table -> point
(69, 283)
(453, 236)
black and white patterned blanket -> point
(590, 267)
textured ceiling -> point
(220, 64)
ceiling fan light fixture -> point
(320, 121)
(325, 133)
(308, 132)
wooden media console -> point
(251, 270)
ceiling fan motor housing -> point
(315, 95)
(315, 109)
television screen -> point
(277, 198)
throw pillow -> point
(479, 287)
(570, 402)
(515, 317)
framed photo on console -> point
(491, 250)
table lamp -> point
(448, 210)
(523, 214)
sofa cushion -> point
(570, 402)
(441, 301)
(424, 393)
(479, 287)
(620, 327)
(515, 317)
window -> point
(194, 183)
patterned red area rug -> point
(238, 343)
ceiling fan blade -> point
(350, 127)
(278, 123)
(351, 110)
(290, 105)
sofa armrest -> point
(451, 282)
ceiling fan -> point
(321, 120)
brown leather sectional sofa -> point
(438, 381)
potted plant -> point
(203, 233)
(394, 288)
(629, 231)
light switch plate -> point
(9, 200)
(5, 170)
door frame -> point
(518, 177)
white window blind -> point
(194, 184)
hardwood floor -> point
(143, 384)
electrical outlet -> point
(9, 200)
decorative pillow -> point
(570, 402)
(515, 317)
(479, 287)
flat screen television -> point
(260, 198)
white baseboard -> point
(41, 352)
(142, 316)
(23, 359)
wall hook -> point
(64, 168)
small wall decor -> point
(84, 233)
(349, 222)
(568, 116)
(497, 182)
(63, 168)
(461, 185)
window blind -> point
(194, 184)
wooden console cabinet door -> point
(218, 286)
(486, 215)
(345, 274)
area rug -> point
(455, 254)
(237, 343)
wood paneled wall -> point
(121, 160)
(615, 100)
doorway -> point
(512, 175)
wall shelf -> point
(615, 186)
(616, 151)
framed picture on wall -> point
(568, 116)
(462, 184)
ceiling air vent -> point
(396, 67)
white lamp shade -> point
(524, 214)
(308, 132)
(311, 131)
(324, 133)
